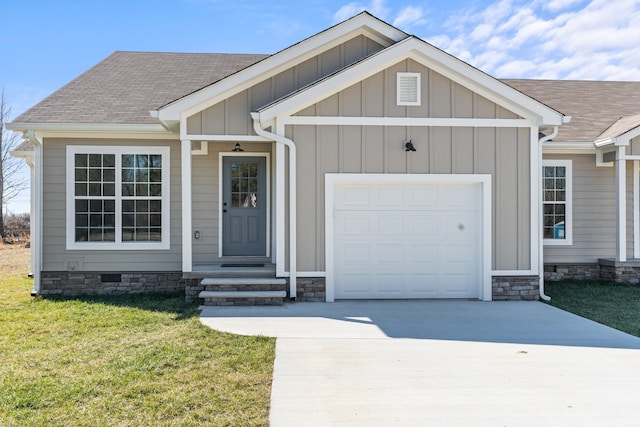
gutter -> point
(36, 211)
(542, 141)
(280, 139)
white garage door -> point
(407, 240)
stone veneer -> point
(311, 289)
(95, 283)
(587, 271)
(515, 288)
(620, 272)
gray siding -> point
(594, 213)
(503, 153)
(206, 194)
(231, 117)
(55, 255)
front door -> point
(244, 206)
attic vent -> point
(408, 89)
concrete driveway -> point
(442, 363)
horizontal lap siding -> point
(503, 153)
(594, 212)
(55, 255)
(205, 197)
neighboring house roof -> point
(620, 127)
(593, 105)
(125, 86)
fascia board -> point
(95, 130)
(433, 58)
(568, 148)
(363, 24)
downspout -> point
(281, 139)
(540, 215)
(36, 194)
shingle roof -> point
(593, 105)
(125, 86)
(621, 126)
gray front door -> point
(244, 206)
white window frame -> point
(568, 209)
(118, 151)
(400, 78)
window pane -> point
(127, 160)
(81, 189)
(109, 160)
(155, 161)
(95, 160)
(127, 190)
(82, 160)
(81, 174)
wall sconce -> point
(237, 148)
(408, 146)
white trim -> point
(281, 248)
(305, 274)
(431, 57)
(118, 151)
(202, 151)
(535, 154)
(333, 179)
(568, 214)
(227, 138)
(362, 24)
(155, 129)
(621, 205)
(267, 161)
(400, 79)
(187, 205)
(568, 148)
(506, 273)
(636, 209)
(405, 121)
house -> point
(360, 163)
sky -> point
(45, 44)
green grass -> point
(612, 304)
(120, 361)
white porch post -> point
(621, 205)
(636, 209)
(185, 171)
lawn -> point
(120, 361)
(612, 304)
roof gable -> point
(362, 24)
(433, 58)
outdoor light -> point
(408, 146)
(237, 147)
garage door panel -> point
(407, 241)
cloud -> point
(375, 7)
(596, 39)
(409, 16)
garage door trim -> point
(333, 180)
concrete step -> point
(241, 281)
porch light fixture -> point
(408, 146)
(237, 148)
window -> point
(118, 197)
(408, 89)
(557, 202)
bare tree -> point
(11, 181)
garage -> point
(402, 238)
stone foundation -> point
(311, 289)
(95, 283)
(515, 288)
(620, 272)
(556, 272)
(607, 270)
(192, 289)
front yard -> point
(137, 360)
(611, 304)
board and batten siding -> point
(231, 116)
(594, 212)
(56, 257)
(503, 153)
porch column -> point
(636, 209)
(621, 205)
(185, 173)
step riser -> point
(242, 301)
(244, 288)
